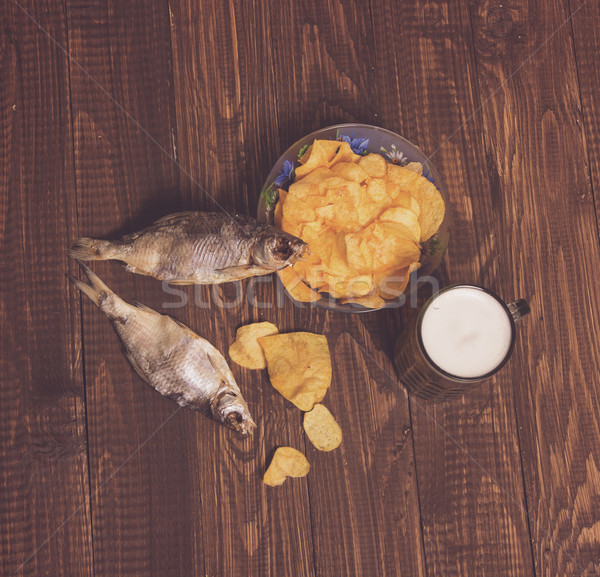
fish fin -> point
(190, 332)
(173, 218)
(216, 362)
(89, 249)
(240, 271)
(135, 365)
(144, 307)
(181, 282)
(97, 291)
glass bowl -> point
(362, 138)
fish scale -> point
(173, 359)
(199, 248)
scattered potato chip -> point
(363, 219)
(286, 462)
(245, 350)
(299, 366)
(322, 429)
(296, 287)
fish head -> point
(230, 409)
(278, 250)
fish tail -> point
(91, 249)
(97, 291)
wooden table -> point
(114, 113)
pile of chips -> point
(299, 366)
(364, 220)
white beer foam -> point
(466, 332)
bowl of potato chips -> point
(372, 209)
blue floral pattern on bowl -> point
(363, 139)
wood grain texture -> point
(141, 467)
(585, 24)
(364, 502)
(324, 59)
(545, 221)
(44, 510)
(325, 65)
(168, 105)
(468, 466)
(225, 100)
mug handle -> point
(518, 309)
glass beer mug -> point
(462, 336)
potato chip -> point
(320, 154)
(291, 226)
(316, 201)
(325, 213)
(344, 154)
(373, 165)
(415, 167)
(426, 194)
(278, 212)
(295, 286)
(286, 462)
(303, 189)
(338, 262)
(296, 210)
(317, 176)
(396, 194)
(376, 189)
(349, 171)
(332, 182)
(391, 245)
(245, 350)
(391, 284)
(312, 270)
(414, 206)
(358, 254)
(406, 217)
(368, 301)
(299, 366)
(340, 286)
(322, 429)
(342, 191)
(320, 239)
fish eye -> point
(235, 418)
(282, 249)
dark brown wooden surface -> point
(114, 113)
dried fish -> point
(199, 248)
(173, 359)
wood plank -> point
(546, 229)
(45, 513)
(363, 496)
(225, 98)
(142, 448)
(325, 67)
(585, 24)
(467, 455)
